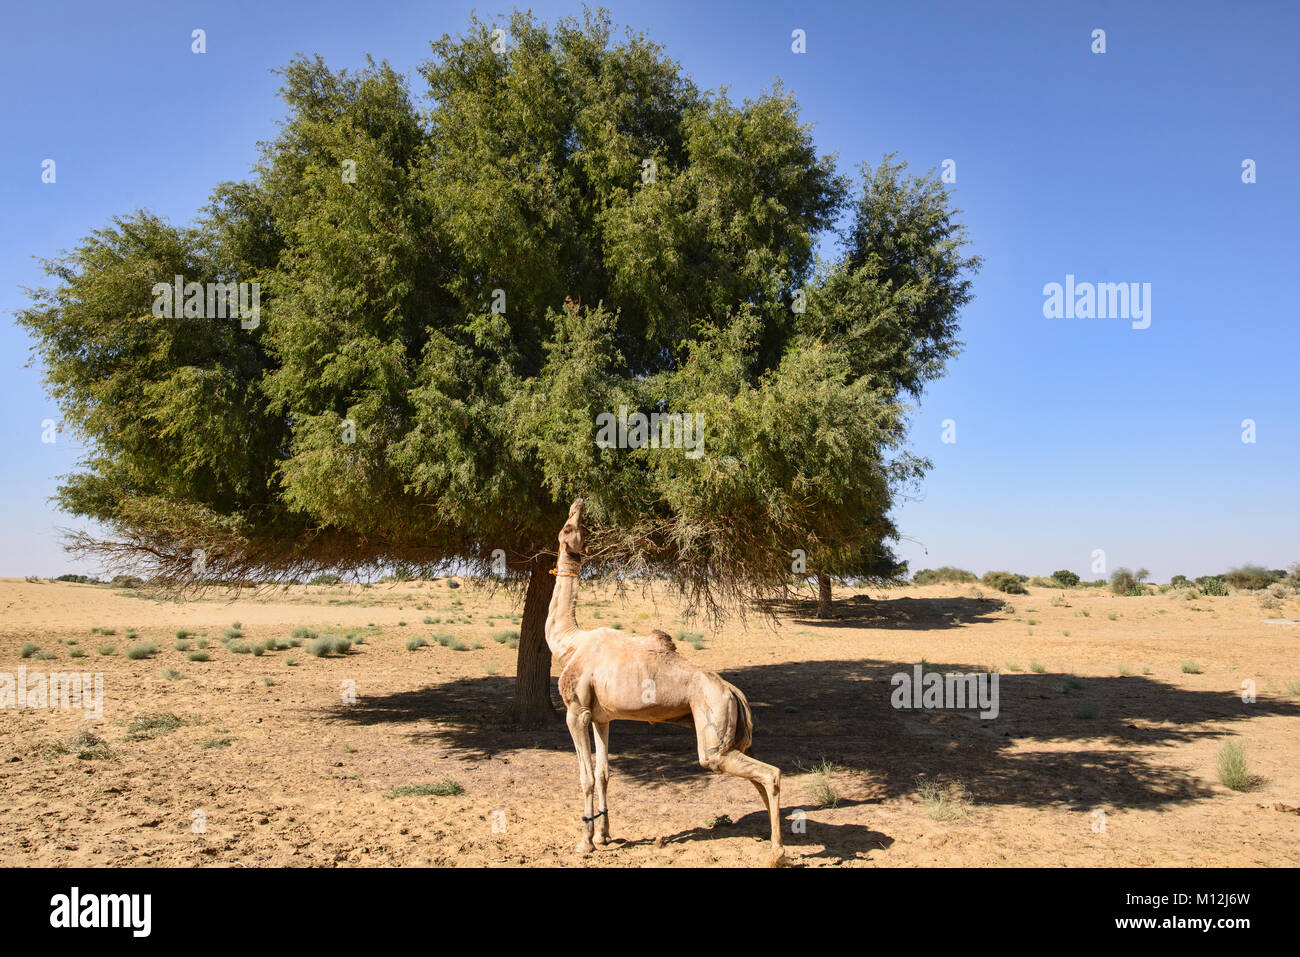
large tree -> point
(452, 294)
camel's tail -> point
(744, 720)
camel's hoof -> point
(603, 839)
(583, 847)
(776, 858)
(659, 841)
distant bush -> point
(78, 579)
(1008, 582)
(1179, 581)
(1215, 585)
(1126, 582)
(145, 649)
(1068, 579)
(127, 581)
(944, 575)
(1250, 577)
(325, 580)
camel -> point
(609, 675)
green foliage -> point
(1252, 577)
(1215, 585)
(1007, 582)
(521, 173)
(944, 575)
(140, 650)
(1066, 578)
(1123, 581)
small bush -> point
(414, 643)
(183, 645)
(329, 644)
(1190, 668)
(151, 725)
(171, 674)
(1066, 578)
(1037, 667)
(107, 650)
(198, 656)
(1006, 582)
(144, 649)
(1214, 585)
(693, 638)
(28, 649)
(1234, 767)
(444, 788)
(823, 784)
(944, 801)
(324, 580)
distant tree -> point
(1067, 578)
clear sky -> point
(1072, 434)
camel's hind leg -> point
(578, 720)
(764, 777)
(602, 781)
(716, 722)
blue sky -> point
(1124, 166)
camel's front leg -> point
(578, 720)
(602, 781)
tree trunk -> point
(533, 707)
(823, 596)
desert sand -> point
(1107, 756)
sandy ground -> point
(1105, 757)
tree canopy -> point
(453, 290)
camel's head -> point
(573, 537)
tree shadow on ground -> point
(1056, 740)
(911, 614)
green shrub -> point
(944, 575)
(107, 650)
(1234, 768)
(1066, 578)
(198, 656)
(144, 649)
(327, 645)
(1250, 577)
(1128, 583)
(413, 643)
(1215, 585)
(324, 580)
(1007, 582)
(28, 649)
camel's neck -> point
(562, 618)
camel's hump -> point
(664, 639)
